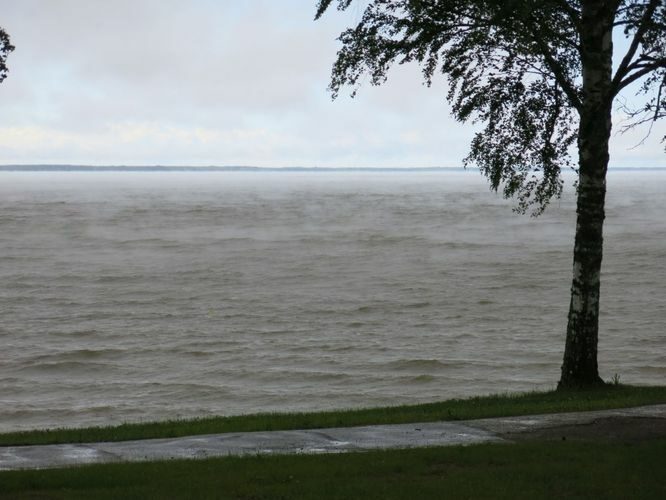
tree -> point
(539, 75)
(5, 48)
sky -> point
(218, 82)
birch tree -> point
(539, 76)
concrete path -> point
(333, 440)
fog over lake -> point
(130, 296)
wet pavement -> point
(334, 440)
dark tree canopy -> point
(539, 76)
(5, 48)
(513, 65)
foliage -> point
(5, 48)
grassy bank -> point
(553, 469)
(611, 396)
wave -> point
(416, 364)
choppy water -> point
(130, 296)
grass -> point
(610, 396)
(553, 469)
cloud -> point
(208, 82)
(175, 61)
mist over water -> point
(147, 296)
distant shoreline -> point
(232, 168)
(159, 168)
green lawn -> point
(554, 469)
(529, 469)
(611, 396)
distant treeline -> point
(159, 168)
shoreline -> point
(611, 396)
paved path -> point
(333, 440)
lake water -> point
(145, 296)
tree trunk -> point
(579, 368)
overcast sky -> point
(216, 82)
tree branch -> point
(559, 73)
(573, 14)
(623, 69)
(645, 70)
